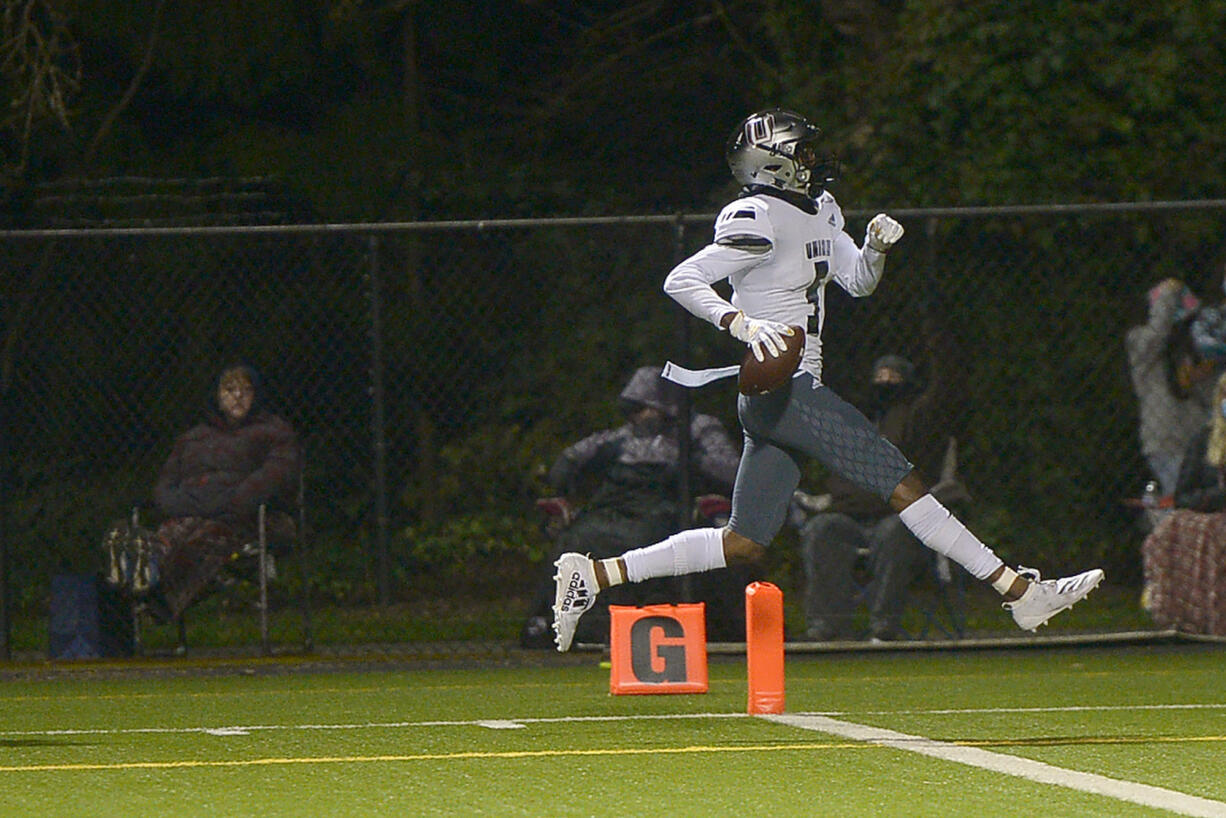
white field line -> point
(496, 724)
(506, 724)
(1072, 708)
(1131, 791)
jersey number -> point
(820, 269)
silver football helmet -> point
(779, 149)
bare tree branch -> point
(743, 45)
(40, 69)
(625, 43)
(108, 122)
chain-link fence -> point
(434, 369)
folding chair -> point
(260, 550)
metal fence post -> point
(685, 502)
(6, 631)
(379, 428)
(930, 247)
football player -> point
(779, 245)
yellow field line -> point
(254, 762)
(615, 751)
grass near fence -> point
(230, 623)
(1119, 731)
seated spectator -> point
(916, 418)
(1171, 410)
(634, 503)
(208, 495)
(1207, 333)
(1184, 557)
(1200, 483)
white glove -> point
(882, 233)
(759, 334)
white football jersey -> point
(778, 259)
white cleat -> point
(575, 591)
(1046, 598)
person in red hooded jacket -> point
(209, 491)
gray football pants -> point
(783, 428)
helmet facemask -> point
(780, 149)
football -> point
(759, 377)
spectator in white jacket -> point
(1167, 420)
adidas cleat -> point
(1046, 598)
(575, 591)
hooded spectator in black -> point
(918, 418)
(634, 503)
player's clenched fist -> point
(759, 334)
(882, 233)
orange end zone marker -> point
(657, 649)
(764, 647)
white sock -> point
(941, 531)
(688, 552)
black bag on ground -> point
(89, 619)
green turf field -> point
(872, 734)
